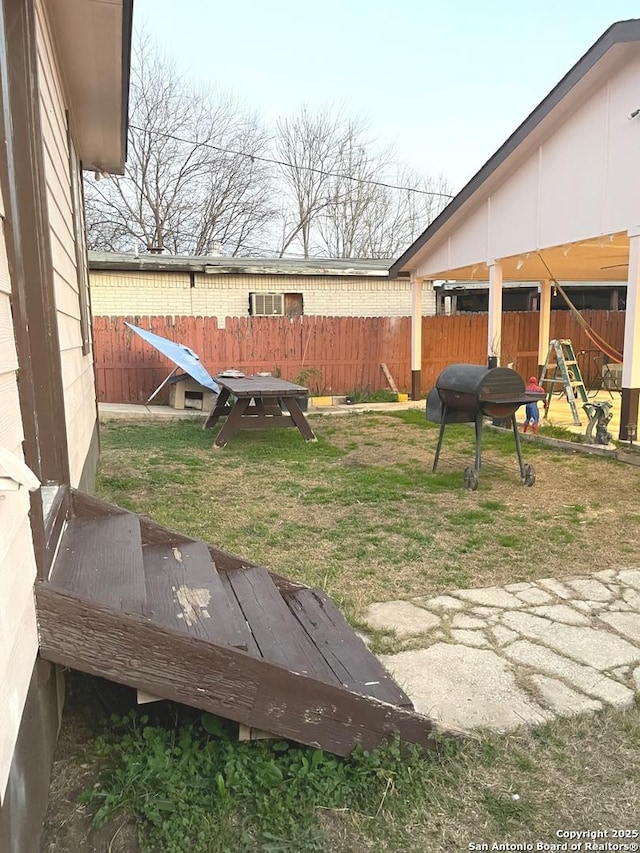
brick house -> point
(151, 285)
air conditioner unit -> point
(267, 304)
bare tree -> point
(343, 224)
(193, 181)
(200, 179)
(346, 199)
(394, 218)
(313, 148)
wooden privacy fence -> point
(463, 338)
(346, 351)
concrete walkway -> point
(519, 654)
(139, 411)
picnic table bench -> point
(257, 402)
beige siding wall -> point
(77, 369)
(18, 636)
(170, 294)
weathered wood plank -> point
(127, 648)
(101, 559)
(349, 658)
(278, 634)
(298, 418)
(87, 506)
(185, 592)
(389, 378)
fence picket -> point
(346, 350)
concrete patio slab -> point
(591, 646)
(402, 617)
(587, 679)
(626, 623)
(493, 596)
(523, 653)
(562, 699)
(485, 694)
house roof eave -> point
(220, 265)
(621, 32)
(93, 47)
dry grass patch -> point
(581, 773)
(360, 514)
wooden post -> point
(631, 362)
(615, 300)
(416, 337)
(439, 301)
(544, 321)
(494, 327)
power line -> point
(276, 162)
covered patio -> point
(560, 412)
(558, 201)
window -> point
(266, 304)
(77, 200)
(275, 304)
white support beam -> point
(631, 363)
(631, 360)
(544, 321)
(416, 337)
(494, 328)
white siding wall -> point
(18, 636)
(77, 369)
(116, 293)
(572, 181)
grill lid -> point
(486, 384)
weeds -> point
(190, 786)
(365, 395)
(193, 787)
(552, 431)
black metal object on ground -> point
(599, 415)
(466, 393)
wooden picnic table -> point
(257, 403)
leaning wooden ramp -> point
(148, 607)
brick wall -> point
(117, 293)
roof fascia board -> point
(127, 38)
(228, 267)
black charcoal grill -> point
(466, 393)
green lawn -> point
(359, 514)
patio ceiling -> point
(599, 259)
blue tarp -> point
(180, 354)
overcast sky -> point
(446, 82)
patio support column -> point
(631, 360)
(544, 321)
(416, 337)
(494, 325)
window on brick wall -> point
(275, 304)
